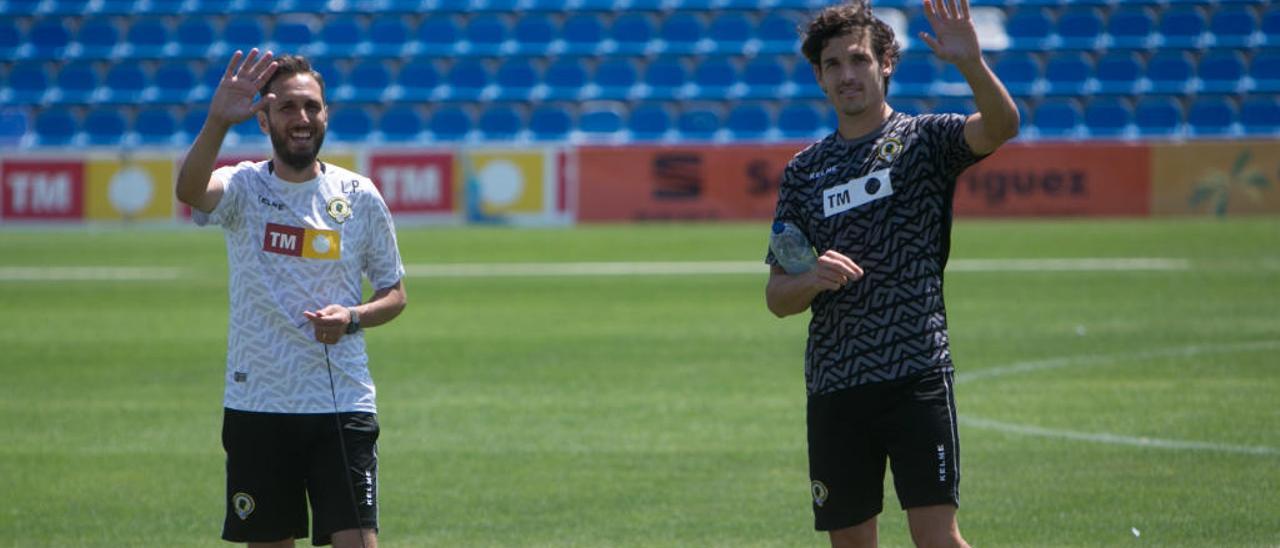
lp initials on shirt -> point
(868, 188)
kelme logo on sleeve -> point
(309, 243)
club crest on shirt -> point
(339, 209)
(889, 149)
(243, 504)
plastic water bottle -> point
(791, 248)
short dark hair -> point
(288, 65)
(839, 20)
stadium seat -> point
(777, 34)
(565, 80)
(1131, 27)
(48, 39)
(335, 77)
(664, 78)
(247, 132)
(11, 42)
(914, 76)
(1108, 117)
(192, 120)
(1158, 117)
(765, 78)
(682, 33)
(1029, 29)
(1182, 27)
(732, 33)
(1212, 116)
(534, 34)
(1057, 118)
(1221, 71)
(400, 124)
(698, 122)
(649, 122)
(500, 122)
(549, 122)
(913, 107)
(1264, 72)
(1170, 72)
(1068, 74)
(1270, 28)
(450, 123)
(516, 79)
(155, 126)
(368, 82)
(989, 23)
(147, 38)
(342, 37)
(104, 126)
(418, 80)
(803, 85)
(1119, 73)
(749, 121)
(194, 39)
(1234, 27)
(1020, 73)
(349, 124)
(388, 37)
(466, 80)
(1080, 27)
(1260, 115)
(77, 84)
(715, 78)
(950, 82)
(55, 127)
(952, 105)
(96, 40)
(631, 33)
(175, 83)
(438, 35)
(600, 121)
(242, 32)
(614, 78)
(582, 34)
(291, 36)
(486, 35)
(800, 120)
(28, 83)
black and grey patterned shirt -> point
(883, 200)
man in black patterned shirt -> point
(874, 198)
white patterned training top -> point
(293, 247)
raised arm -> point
(955, 41)
(232, 103)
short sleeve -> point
(225, 213)
(382, 264)
(787, 210)
(945, 135)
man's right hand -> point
(233, 100)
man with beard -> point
(299, 419)
(874, 198)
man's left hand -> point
(955, 40)
(330, 322)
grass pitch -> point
(1097, 407)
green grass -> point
(660, 410)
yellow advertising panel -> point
(1215, 178)
(129, 189)
(504, 182)
(343, 160)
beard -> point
(281, 143)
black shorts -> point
(910, 422)
(277, 462)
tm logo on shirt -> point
(310, 243)
(868, 188)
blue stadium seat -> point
(486, 34)
(175, 83)
(209, 7)
(950, 82)
(765, 78)
(293, 37)
(368, 82)
(1260, 115)
(28, 83)
(631, 33)
(582, 34)
(800, 120)
(749, 121)
(192, 120)
(388, 37)
(334, 75)
(1170, 72)
(913, 107)
(104, 126)
(649, 122)
(1182, 27)
(715, 78)
(48, 39)
(194, 38)
(682, 33)
(1221, 71)
(146, 39)
(1029, 29)
(400, 124)
(698, 122)
(732, 33)
(516, 78)
(96, 39)
(1131, 27)
(438, 35)
(1158, 117)
(1080, 27)
(466, 79)
(342, 37)
(599, 122)
(1067, 74)
(1020, 73)
(243, 32)
(155, 126)
(55, 127)
(77, 83)
(534, 34)
(349, 124)
(11, 42)
(664, 78)
(1212, 116)
(803, 85)
(1108, 117)
(1234, 27)
(247, 132)
(615, 78)
(914, 76)
(1264, 71)
(565, 80)
(952, 105)
(550, 122)
(1058, 118)
(450, 123)
(500, 122)
(1270, 28)
(1118, 73)
(419, 80)
(777, 34)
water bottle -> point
(791, 248)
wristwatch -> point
(355, 321)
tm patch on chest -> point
(862, 190)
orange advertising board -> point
(1057, 179)
(639, 183)
(1216, 178)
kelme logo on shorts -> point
(819, 491)
(310, 243)
(243, 504)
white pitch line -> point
(1114, 439)
(87, 273)
(1098, 359)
